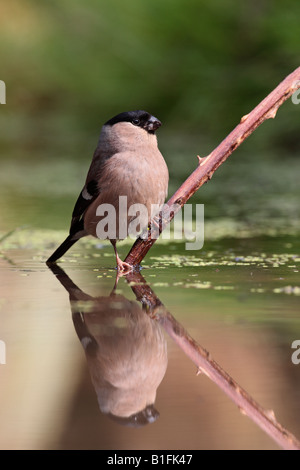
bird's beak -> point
(153, 124)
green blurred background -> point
(198, 66)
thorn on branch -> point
(272, 113)
(242, 411)
(201, 159)
(271, 415)
(243, 118)
(179, 201)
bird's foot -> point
(156, 226)
(159, 221)
(123, 268)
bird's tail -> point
(61, 250)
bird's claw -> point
(123, 268)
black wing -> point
(85, 198)
(87, 195)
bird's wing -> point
(86, 197)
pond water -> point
(73, 357)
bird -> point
(126, 162)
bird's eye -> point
(136, 122)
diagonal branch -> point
(208, 165)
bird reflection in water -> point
(125, 349)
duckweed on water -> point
(198, 285)
(290, 290)
(262, 260)
(252, 265)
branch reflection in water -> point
(126, 352)
(135, 359)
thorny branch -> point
(209, 164)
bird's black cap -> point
(138, 118)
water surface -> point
(238, 298)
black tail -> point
(61, 250)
